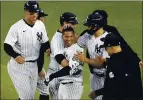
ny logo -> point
(35, 6)
(97, 49)
(39, 36)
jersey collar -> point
(28, 24)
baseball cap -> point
(110, 40)
(42, 13)
(69, 17)
(31, 6)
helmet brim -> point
(74, 22)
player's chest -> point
(29, 36)
(69, 52)
(93, 46)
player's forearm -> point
(40, 60)
(63, 72)
(92, 62)
(9, 50)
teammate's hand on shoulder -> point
(42, 74)
(92, 95)
(20, 59)
(48, 52)
(80, 56)
(141, 64)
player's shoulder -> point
(83, 32)
(40, 23)
(78, 47)
(17, 25)
(57, 37)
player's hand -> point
(80, 56)
(48, 52)
(68, 25)
(100, 60)
(141, 64)
(20, 59)
(42, 74)
(92, 95)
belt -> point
(31, 61)
(67, 82)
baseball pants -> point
(96, 82)
(24, 79)
(42, 88)
(70, 91)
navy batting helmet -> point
(103, 13)
(95, 20)
(68, 17)
(31, 6)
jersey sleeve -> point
(12, 36)
(82, 40)
(57, 46)
(45, 36)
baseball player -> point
(24, 42)
(124, 47)
(57, 46)
(43, 89)
(91, 40)
(70, 77)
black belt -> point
(100, 75)
(31, 61)
(67, 82)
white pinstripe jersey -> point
(27, 40)
(76, 65)
(57, 47)
(92, 44)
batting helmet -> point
(103, 13)
(31, 6)
(68, 17)
(96, 21)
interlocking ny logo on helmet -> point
(31, 6)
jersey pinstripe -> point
(68, 90)
(57, 47)
(26, 41)
(76, 66)
(92, 44)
